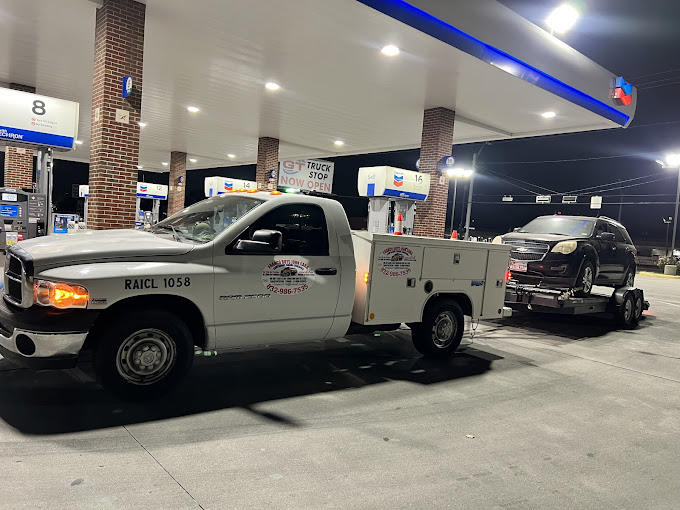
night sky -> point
(638, 40)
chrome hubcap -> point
(444, 329)
(145, 357)
(638, 307)
(630, 279)
(587, 279)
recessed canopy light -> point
(164, 163)
(193, 160)
(272, 86)
(231, 156)
(548, 115)
(339, 143)
(142, 124)
(79, 142)
(562, 18)
(193, 109)
(673, 160)
(390, 50)
(139, 167)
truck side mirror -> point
(263, 241)
(517, 229)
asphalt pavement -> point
(534, 412)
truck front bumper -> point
(43, 338)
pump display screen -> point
(9, 197)
(9, 211)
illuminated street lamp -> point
(562, 19)
(673, 162)
(457, 173)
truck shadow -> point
(55, 402)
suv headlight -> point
(60, 295)
(565, 247)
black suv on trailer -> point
(572, 252)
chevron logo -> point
(623, 92)
(228, 186)
(398, 179)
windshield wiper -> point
(175, 234)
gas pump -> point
(22, 216)
(143, 219)
(392, 191)
(156, 192)
(220, 185)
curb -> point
(659, 275)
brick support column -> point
(178, 168)
(436, 143)
(114, 145)
(267, 160)
(19, 161)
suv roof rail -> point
(617, 222)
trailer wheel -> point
(143, 355)
(639, 306)
(626, 312)
(441, 331)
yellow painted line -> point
(659, 275)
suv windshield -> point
(560, 225)
(204, 221)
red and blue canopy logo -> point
(623, 92)
(398, 179)
(228, 186)
(143, 189)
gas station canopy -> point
(495, 69)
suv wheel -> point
(585, 279)
(629, 278)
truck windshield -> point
(560, 225)
(204, 221)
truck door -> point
(284, 297)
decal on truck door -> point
(287, 277)
(396, 261)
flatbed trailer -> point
(626, 304)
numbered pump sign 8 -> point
(29, 120)
(307, 174)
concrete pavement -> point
(563, 413)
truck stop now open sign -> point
(307, 174)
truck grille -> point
(13, 279)
(528, 250)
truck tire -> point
(144, 354)
(441, 331)
(585, 279)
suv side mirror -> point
(263, 241)
(607, 236)
(517, 229)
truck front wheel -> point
(144, 354)
(441, 331)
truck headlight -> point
(497, 240)
(565, 247)
(60, 295)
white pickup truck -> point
(238, 270)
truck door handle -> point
(326, 271)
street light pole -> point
(453, 204)
(469, 204)
(675, 218)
